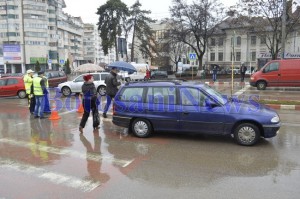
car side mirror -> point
(211, 104)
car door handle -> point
(279, 75)
(185, 113)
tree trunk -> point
(132, 44)
(116, 48)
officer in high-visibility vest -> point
(39, 89)
(28, 79)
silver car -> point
(69, 87)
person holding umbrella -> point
(112, 84)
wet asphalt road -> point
(49, 159)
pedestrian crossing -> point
(54, 177)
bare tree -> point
(193, 24)
(265, 19)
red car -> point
(12, 86)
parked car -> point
(159, 74)
(147, 107)
(67, 88)
(187, 72)
(55, 77)
(12, 86)
(277, 73)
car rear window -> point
(131, 94)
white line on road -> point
(242, 90)
(62, 151)
(55, 178)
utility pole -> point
(283, 29)
(23, 38)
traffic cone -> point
(80, 108)
(54, 114)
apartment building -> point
(34, 31)
(93, 52)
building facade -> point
(38, 31)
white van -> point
(141, 69)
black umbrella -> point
(121, 65)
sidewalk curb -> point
(227, 83)
(284, 107)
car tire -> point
(102, 90)
(141, 128)
(246, 134)
(66, 91)
(22, 94)
(261, 85)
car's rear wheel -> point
(261, 85)
(101, 90)
(21, 94)
(246, 134)
(66, 91)
(141, 128)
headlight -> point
(252, 78)
(275, 119)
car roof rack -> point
(175, 81)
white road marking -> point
(55, 178)
(242, 90)
(62, 151)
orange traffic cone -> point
(54, 114)
(80, 108)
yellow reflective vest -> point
(37, 88)
(28, 83)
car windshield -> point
(215, 94)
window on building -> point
(238, 56)
(212, 41)
(220, 56)
(253, 40)
(212, 56)
(238, 41)
(220, 41)
(253, 56)
(263, 40)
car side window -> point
(103, 76)
(54, 75)
(2, 82)
(192, 97)
(161, 95)
(61, 74)
(96, 77)
(274, 66)
(79, 79)
(131, 95)
(12, 81)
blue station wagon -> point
(173, 106)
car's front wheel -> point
(66, 91)
(246, 134)
(102, 90)
(22, 94)
(261, 85)
(141, 128)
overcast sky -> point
(86, 9)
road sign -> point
(192, 56)
(61, 61)
(49, 61)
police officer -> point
(28, 79)
(39, 89)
